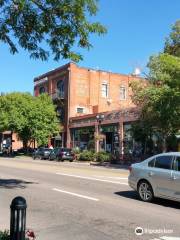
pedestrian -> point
(50, 147)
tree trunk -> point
(25, 145)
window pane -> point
(177, 165)
(104, 90)
(60, 88)
(122, 93)
(151, 163)
(164, 162)
(42, 90)
(80, 110)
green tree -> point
(58, 25)
(159, 97)
(164, 70)
(141, 132)
(43, 119)
(32, 118)
(172, 44)
(160, 109)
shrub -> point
(4, 235)
(76, 150)
(86, 156)
(91, 145)
(103, 157)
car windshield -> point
(47, 149)
(66, 150)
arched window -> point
(42, 90)
(60, 88)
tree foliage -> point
(32, 118)
(59, 25)
(172, 44)
(159, 99)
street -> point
(82, 202)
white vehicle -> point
(158, 176)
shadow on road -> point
(14, 183)
(157, 201)
(7, 156)
(128, 194)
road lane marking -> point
(117, 178)
(166, 238)
(90, 178)
(169, 238)
(75, 194)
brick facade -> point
(86, 92)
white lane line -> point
(90, 178)
(75, 194)
(166, 238)
(117, 178)
(169, 238)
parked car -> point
(62, 154)
(42, 153)
(22, 151)
(158, 176)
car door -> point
(38, 152)
(52, 155)
(41, 153)
(160, 175)
(176, 178)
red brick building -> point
(81, 96)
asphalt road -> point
(72, 201)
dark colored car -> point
(42, 153)
(62, 154)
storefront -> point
(112, 134)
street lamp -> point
(99, 118)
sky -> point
(136, 30)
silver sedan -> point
(158, 176)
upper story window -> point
(104, 90)
(60, 113)
(80, 110)
(60, 88)
(122, 93)
(42, 90)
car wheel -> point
(34, 157)
(145, 191)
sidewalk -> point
(110, 165)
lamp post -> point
(99, 118)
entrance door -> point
(109, 141)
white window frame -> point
(104, 92)
(80, 108)
(61, 89)
(123, 96)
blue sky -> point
(136, 30)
